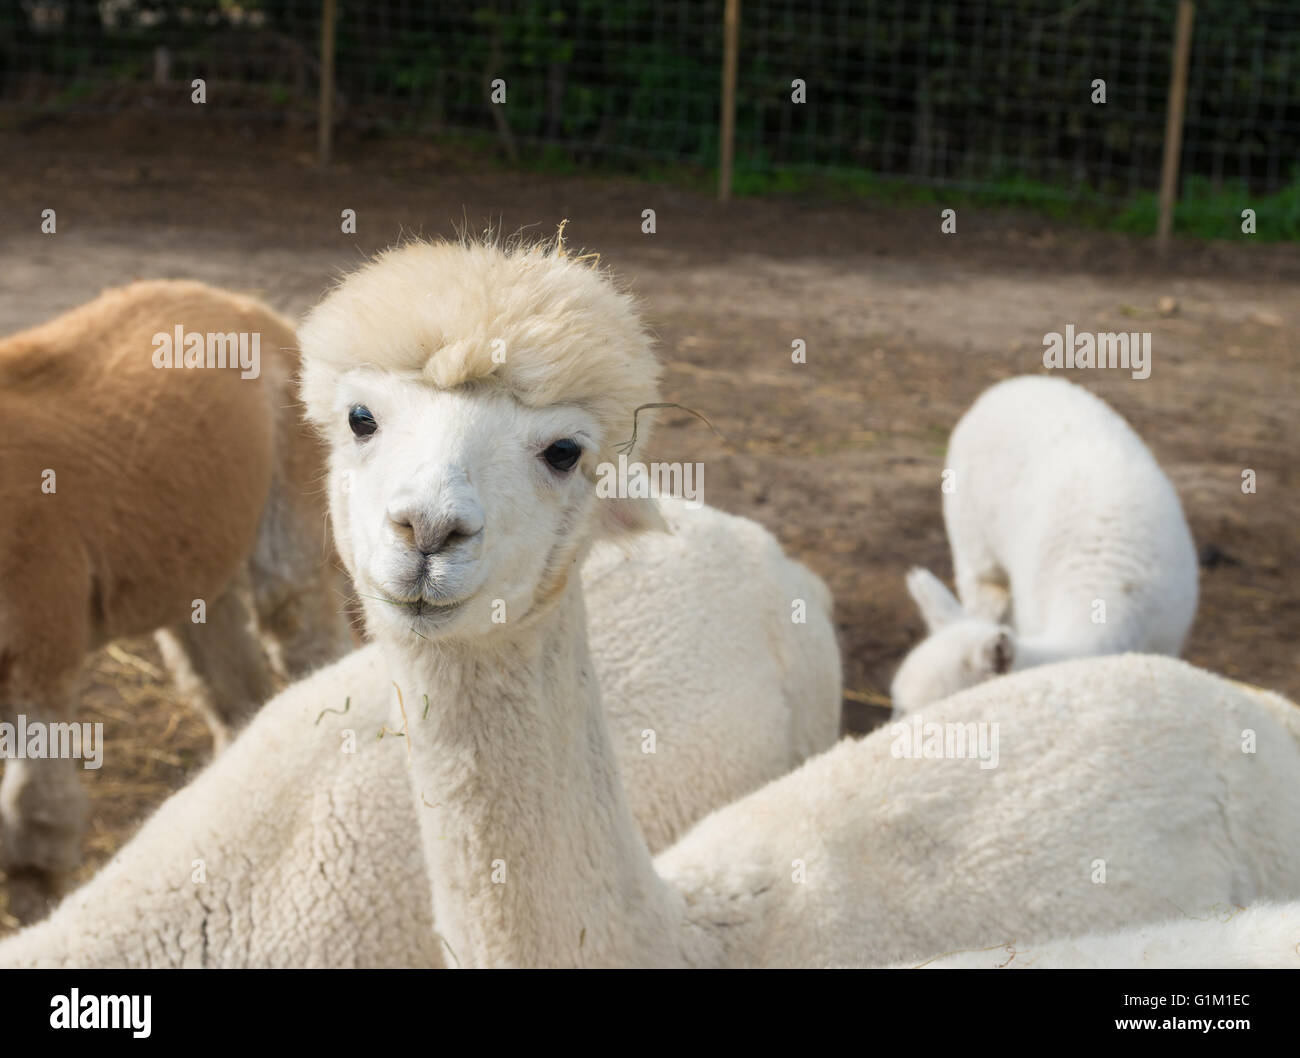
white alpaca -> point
(1266, 937)
(299, 847)
(1067, 541)
(1120, 788)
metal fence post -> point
(1174, 122)
(727, 136)
(325, 106)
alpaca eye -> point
(362, 422)
(563, 454)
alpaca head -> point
(468, 393)
(959, 652)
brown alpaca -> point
(129, 492)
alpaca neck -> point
(533, 854)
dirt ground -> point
(840, 456)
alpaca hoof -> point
(32, 894)
(45, 841)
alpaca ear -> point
(937, 604)
(995, 655)
(621, 515)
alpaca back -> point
(766, 688)
(1056, 489)
(275, 855)
(1120, 789)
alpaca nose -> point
(431, 534)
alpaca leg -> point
(301, 597)
(309, 627)
(992, 599)
(42, 820)
(982, 584)
(983, 590)
(218, 665)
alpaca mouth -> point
(421, 607)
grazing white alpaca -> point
(1266, 937)
(720, 646)
(1067, 541)
(130, 490)
(470, 483)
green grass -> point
(1206, 212)
(1203, 212)
(74, 92)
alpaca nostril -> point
(402, 528)
(430, 544)
(434, 539)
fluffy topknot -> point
(549, 328)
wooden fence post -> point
(730, 59)
(325, 106)
(1174, 122)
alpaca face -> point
(957, 655)
(458, 511)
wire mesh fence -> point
(976, 94)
